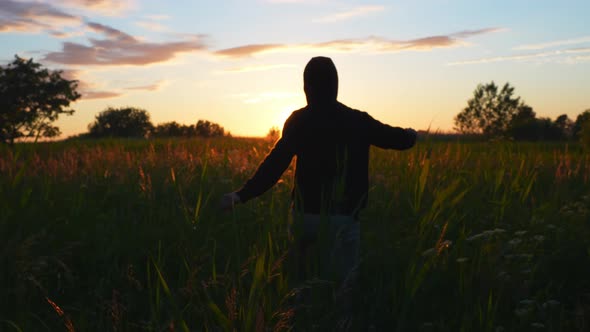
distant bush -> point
(273, 134)
(582, 119)
(585, 134)
(203, 128)
(121, 122)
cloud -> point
(158, 17)
(577, 59)
(152, 26)
(94, 90)
(556, 43)
(247, 50)
(87, 95)
(247, 69)
(471, 33)
(33, 17)
(577, 50)
(119, 48)
(149, 87)
(557, 56)
(349, 14)
(88, 90)
(371, 44)
(67, 34)
(107, 7)
(293, 1)
(153, 22)
(109, 32)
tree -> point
(208, 129)
(565, 126)
(523, 125)
(170, 129)
(526, 126)
(490, 111)
(121, 122)
(581, 120)
(585, 134)
(203, 128)
(31, 99)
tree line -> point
(131, 122)
(32, 98)
(494, 112)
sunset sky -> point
(239, 63)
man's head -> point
(320, 81)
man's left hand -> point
(228, 201)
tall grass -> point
(126, 235)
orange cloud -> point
(371, 44)
(552, 56)
(107, 7)
(247, 50)
(33, 17)
(109, 32)
(87, 95)
(540, 46)
(93, 90)
(293, 1)
(88, 90)
(149, 87)
(119, 48)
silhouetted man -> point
(331, 142)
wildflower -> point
(520, 233)
(539, 238)
(514, 242)
(462, 259)
(428, 252)
(485, 234)
(520, 312)
(551, 303)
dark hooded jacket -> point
(331, 142)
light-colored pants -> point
(326, 247)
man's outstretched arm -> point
(269, 171)
(267, 174)
(388, 137)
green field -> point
(127, 236)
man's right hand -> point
(228, 201)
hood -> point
(320, 81)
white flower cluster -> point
(486, 234)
